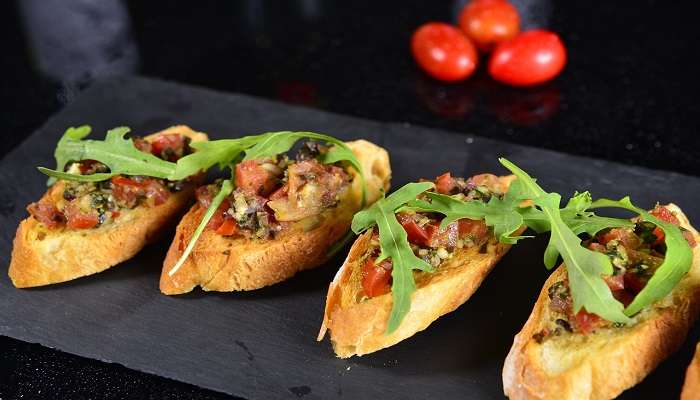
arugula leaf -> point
(394, 245)
(226, 189)
(215, 152)
(115, 151)
(677, 260)
(584, 267)
(502, 214)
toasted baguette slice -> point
(603, 364)
(226, 264)
(691, 387)
(42, 256)
(358, 326)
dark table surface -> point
(628, 94)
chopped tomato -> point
(168, 147)
(128, 190)
(689, 238)
(252, 177)
(115, 214)
(228, 227)
(586, 322)
(628, 239)
(665, 215)
(444, 183)
(615, 282)
(47, 214)
(87, 166)
(475, 228)
(78, 219)
(142, 145)
(490, 181)
(416, 234)
(376, 278)
(633, 282)
(280, 193)
(623, 297)
(597, 247)
(442, 237)
(218, 218)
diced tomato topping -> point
(664, 214)
(142, 145)
(115, 214)
(475, 228)
(490, 181)
(376, 278)
(168, 147)
(633, 282)
(47, 214)
(280, 193)
(416, 234)
(597, 247)
(86, 165)
(586, 322)
(444, 183)
(218, 218)
(128, 190)
(628, 239)
(253, 178)
(228, 227)
(623, 297)
(443, 237)
(78, 219)
(615, 282)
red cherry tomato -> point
(443, 51)
(489, 22)
(531, 58)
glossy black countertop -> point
(627, 94)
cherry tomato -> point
(531, 58)
(415, 233)
(489, 22)
(444, 52)
(376, 278)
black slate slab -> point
(262, 344)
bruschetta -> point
(82, 228)
(562, 355)
(691, 387)
(283, 217)
(359, 300)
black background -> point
(627, 94)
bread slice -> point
(225, 264)
(602, 364)
(691, 387)
(358, 325)
(42, 256)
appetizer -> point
(106, 201)
(622, 301)
(277, 215)
(377, 299)
(691, 387)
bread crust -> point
(603, 364)
(42, 256)
(691, 387)
(359, 327)
(225, 264)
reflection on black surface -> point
(77, 41)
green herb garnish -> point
(115, 151)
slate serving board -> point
(262, 344)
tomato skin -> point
(77, 219)
(253, 178)
(376, 278)
(615, 282)
(586, 322)
(168, 146)
(415, 233)
(444, 183)
(227, 228)
(477, 229)
(664, 215)
(444, 52)
(531, 58)
(489, 22)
